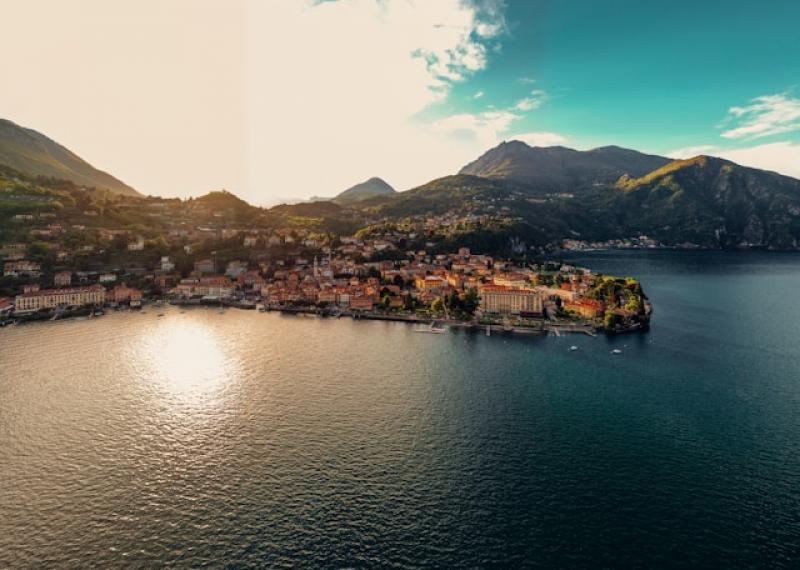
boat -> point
(573, 347)
(431, 329)
(616, 351)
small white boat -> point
(616, 351)
(431, 329)
(573, 347)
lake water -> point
(263, 440)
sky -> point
(281, 100)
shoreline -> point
(542, 328)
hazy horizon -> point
(285, 100)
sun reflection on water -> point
(187, 359)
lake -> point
(202, 438)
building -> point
(514, 279)
(362, 303)
(14, 245)
(52, 298)
(228, 233)
(165, 281)
(137, 245)
(107, 278)
(429, 283)
(22, 268)
(167, 265)
(6, 306)
(186, 287)
(124, 294)
(62, 279)
(587, 308)
(204, 266)
(217, 286)
(501, 300)
(235, 268)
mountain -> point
(33, 153)
(705, 202)
(561, 169)
(222, 200)
(372, 188)
(711, 202)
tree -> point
(471, 301)
(38, 250)
(453, 301)
(635, 304)
(119, 242)
(610, 320)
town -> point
(70, 250)
(297, 270)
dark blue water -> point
(250, 440)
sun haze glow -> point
(186, 360)
(340, 84)
(287, 99)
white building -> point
(52, 298)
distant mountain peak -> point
(560, 169)
(33, 153)
(371, 188)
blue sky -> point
(653, 76)
(286, 99)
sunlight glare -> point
(188, 360)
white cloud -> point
(764, 116)
(541, 138)
(535, 100)
(478, 95)
(485, 128)
(782, 157)
(334, 89)
(491, 127)
(692, 151)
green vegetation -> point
(371, 189)
(31, 152)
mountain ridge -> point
(29, 151)
(371, 188)
(559, 168)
